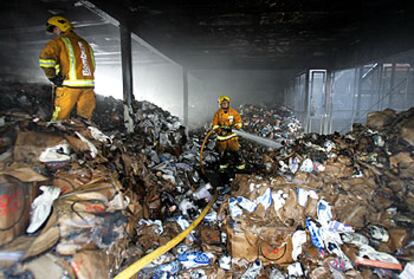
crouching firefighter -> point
(225, 120)
(68, 62)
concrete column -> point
(359, 97)
(127, 80)
(379, 86)
(354, 95)
(185, 99)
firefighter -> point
(225, 120)
(68, 62)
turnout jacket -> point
(225, 121)
(70, 56)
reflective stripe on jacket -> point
(223, 119)
(226, 137)
(72, 57)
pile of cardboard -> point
(336, 206)
(91, 189)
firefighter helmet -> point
(60, 22)
(221, 99)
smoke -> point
(162, 85)
(242, 86)
(155, 80)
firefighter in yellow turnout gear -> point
(227, 143)
(68, 62)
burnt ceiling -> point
(282, 34)
(243, 34)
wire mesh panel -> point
(316, 100)
(343, 99)
(399, 98)
(300, 97)
(352, 93)
(385, 87)
(295, 97)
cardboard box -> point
(15, 201)
(18, 189)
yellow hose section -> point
(144, 261)
(141, 263)
(202, 149)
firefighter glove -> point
(226, 129)
(57, 80)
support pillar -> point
(379, 86)
(126, 58)
(359, 97)
(185, 99)
(392, 84)
(355, 93)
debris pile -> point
(86, 201)
(277, 123)
(336, 206)
(61, 186)
(75, 199)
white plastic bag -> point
(42, 206)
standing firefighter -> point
(226, 119)
(68, 62)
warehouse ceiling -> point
(243, 34)
(282, 34)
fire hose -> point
(202, 150)
(144, 261)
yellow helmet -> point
(60, 22)
(221, 99)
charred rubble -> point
(85, 200)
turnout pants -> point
(229, 152)
(231, 145)
(66, 98)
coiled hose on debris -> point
(144, 261)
